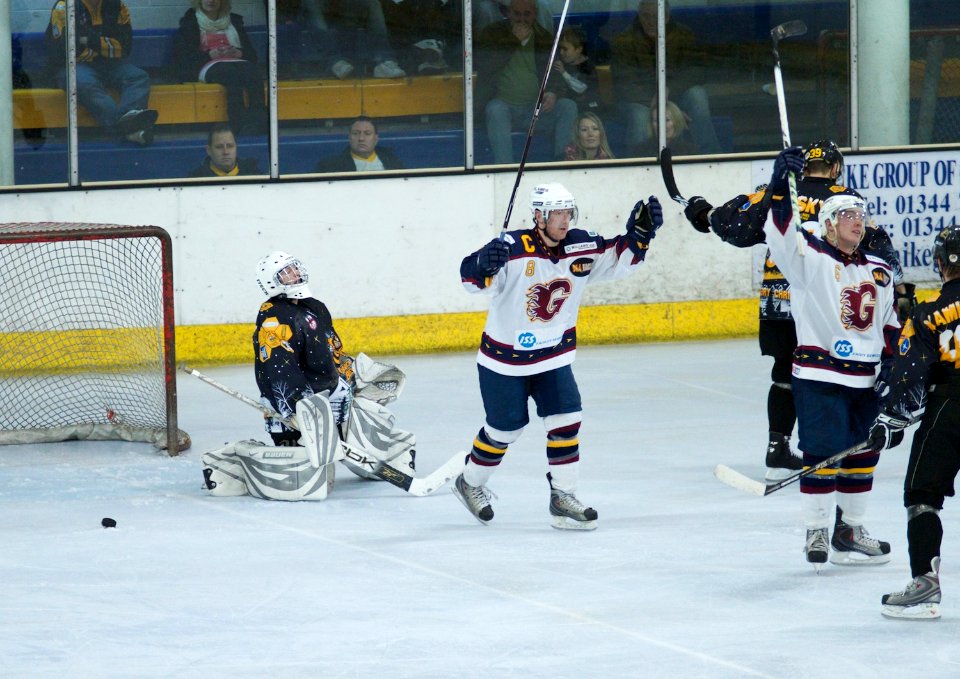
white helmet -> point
(281, 274)
(834, 205)
(549, 197)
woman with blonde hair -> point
(678, 135)
(212, 46)
(589, 140)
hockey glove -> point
(644, 220)
(887, 431)
(697, 212)
(788, 160)
(492, 257)
(906, 301)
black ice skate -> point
(474, 498)
(816, 548)
(853, 547)
(781, 462)
(568, 512)
(920, 600)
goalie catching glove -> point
(644, 220)
(492, 257)
(887, 431)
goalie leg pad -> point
(371, 438)
(317, 429)
(282, 473)
(222, 472)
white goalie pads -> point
(267, 472)
(378, 382)
(371, 437)
(318, 433)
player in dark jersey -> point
(926, 369)
(740, 222)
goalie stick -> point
(735, 479)
(666, 170)
(382, 469)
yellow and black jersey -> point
(104, 31)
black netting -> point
(81, 330)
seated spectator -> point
(486, 12)
(221, 160)
(212, 46)
(634, 73)
(677, 134)
(589, 140)
(577, 70)
(362, 153)
(347, 32)
(511, 59)
(104, 40)
(423, 32)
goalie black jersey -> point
(928, 353)
(532, 324)
(298, 352)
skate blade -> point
(857, 559)
(463, 501)
(926, 611)
(566, 523)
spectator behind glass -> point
(423, 33)
(677, 134)
(486, 12)
(221, 160)
(511, 59)
(589, 140)
(212, 46)
(346, 32)
(577, 70)
(362, 153)
(104, 41)
(634, 72)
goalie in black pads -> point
(536, 278)
(926, 378)
(739, 222)
(322, 397)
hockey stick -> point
(533, 120)
(788, 29)
(666, 169)
(382, 469)
(735, 479)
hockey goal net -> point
(87, 335)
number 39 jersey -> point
(532, 324)
(843, 305)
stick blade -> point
(669, 181)
(735, 479)
(788, 29)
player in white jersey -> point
(536, 278)
(843, 306)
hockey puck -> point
(107, 522)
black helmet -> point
(824, 151)
(946, 246)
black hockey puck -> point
(107, 522)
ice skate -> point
(568, 512)
(781, 462)
(474, 498)
(852, 546)
(816, 548)
(920, 599)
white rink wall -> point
(393, 246)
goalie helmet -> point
(836, 204)
(281, 274)
(824, 151)
(946, 246)
(549, 197)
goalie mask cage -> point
(87, 335)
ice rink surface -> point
(684, 577)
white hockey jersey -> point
(843, 306)
(532, 323)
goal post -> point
(87, 336)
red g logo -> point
(857, 306)
(544, 300)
